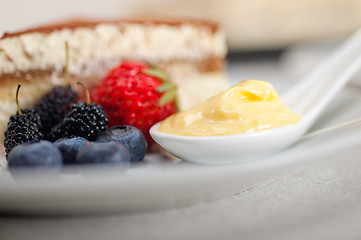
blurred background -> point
(296, 33)
(250, 24)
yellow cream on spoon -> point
(249, 106)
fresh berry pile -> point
(80, 137)
(113, 148)
(61, 130)
(136, 94)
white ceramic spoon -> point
(309, 97)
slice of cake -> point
(191, 52)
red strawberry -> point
(135, 94)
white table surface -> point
(320, 198)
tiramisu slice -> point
(192, 52)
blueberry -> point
(113, 153)
(42, 156)
(69, 147)
(130, 136)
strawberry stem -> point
(17, 99)
(66, 68)
(87, 95)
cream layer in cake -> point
(191, 52)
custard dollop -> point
(249, 106)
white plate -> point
(159, 183)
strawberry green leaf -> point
(156, 72)
(165, 87)
(167, 97)
(176, 101)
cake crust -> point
(76, 23)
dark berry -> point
(84, 120)
(41, 156)
(22, 128)
(54, 106)
(130, 136)
(69, 147)
(113, 153)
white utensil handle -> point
(313, 92)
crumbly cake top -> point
(71, 24)
(90, 42)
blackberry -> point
(58, 102)
(23, 127)
(54, 106)
(86, 119)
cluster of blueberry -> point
(120, 145)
